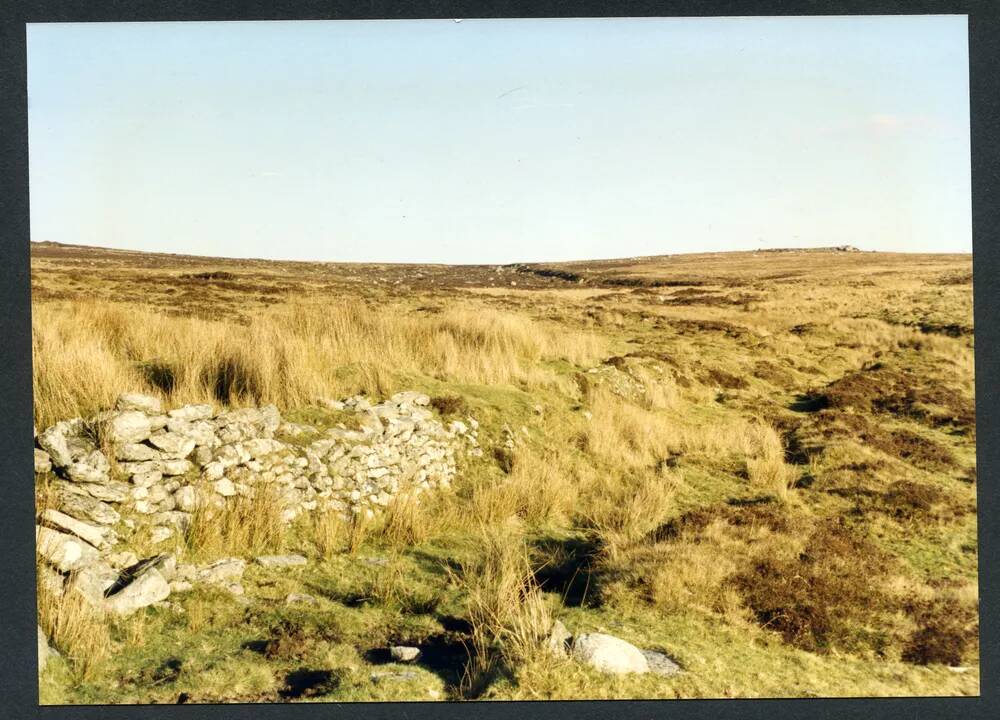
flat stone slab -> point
(295, 598)
(380, 677)
(374, 561)
(660, 663)
(222, 571)
(137, 401)
(280, 561)
(92, 534)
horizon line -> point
(846, 249)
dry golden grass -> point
(539, 490)
(405, 521)
(622, 509)
(77, 629)
(246, 525)
(765, 460)
(86, 353)
(621, 433)
(332, 533)
(506, 610)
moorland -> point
(761, 464)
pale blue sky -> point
(495, 141)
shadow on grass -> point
(308, 683)
(568, 570)
(809, 403)
(445, 655)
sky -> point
(497, 141)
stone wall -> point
(141, 463)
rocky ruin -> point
(140, 466)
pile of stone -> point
(141, 463)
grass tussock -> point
(406, 521)
(536, 488)
(504, 606)
(332, 533)
(765, 460)
(246, 525)
(623, 433)
(620, 510)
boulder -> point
(123, 559)
(137, 401)
(147, 588)
(234, 587)
(186, 498)
(243, 416)
(262, 447)
(228, 456)
(660, 663)
(140, 468)
(83, 449)
(137, 452)
(93, 581)
(609, 654)
(224, 487)
(173, 445)
(108, 491)
(128, 426)
(295, 430)
(147, 479)
(558, 639)
(65, 552)
(160, 533)
(185, 571)
(410, 397)
(404, 653)
(53, 441)
(86, 473)
(202, 455)
(177, 519)
(270, 418)
(294, 598)
(201, 431)
(176, 467)
(235, 432)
